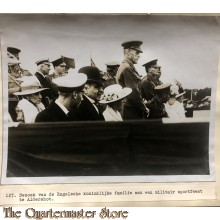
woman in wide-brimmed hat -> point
(113, 97)
(30, 104)
(174, 106)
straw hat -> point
(114, 93)
(30, 86)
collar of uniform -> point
(62, 107)
(41, 74)
(132, 66)
(152, 80)
(130, 63)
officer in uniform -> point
(13, 52)
(151, 80)
(109, 76)
(61, 68)
(157, 104)
(14, 85)
(127, 76)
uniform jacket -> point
(47, 95)
(147, 87)
(53, 113)
(157, 109)
(14, 85)
(127, 76)
(87, 112)
(108, 80)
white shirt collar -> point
(62, 107)
(91, 100)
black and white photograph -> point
(104, 98)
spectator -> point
(113, 97)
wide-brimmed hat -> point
(30, 86)
(92, 73)
(114, 93)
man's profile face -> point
(93, 91)
(61, 69)
(45, 68)
(155, 71)
(134, 56)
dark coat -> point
(53, 87)
(147, 87)
(46, 94)
(87, 112)
(127, 76)
(157, 109)
(53, 113)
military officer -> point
(109, 76)
(59, 68)
(14, 85)
(151, 80)
(127, 76)
(13, 52)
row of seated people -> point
(89, 104)
(81, 99)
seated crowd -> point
(91, 95)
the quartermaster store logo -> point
(32, 213)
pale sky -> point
(187, 47)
